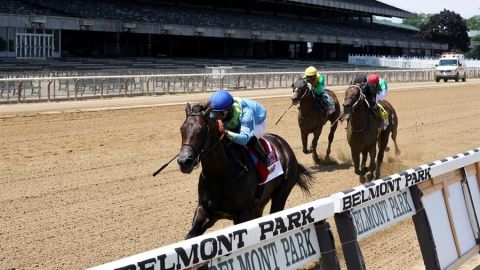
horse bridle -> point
(361, 97)
(202, 152)
(305, 93)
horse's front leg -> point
(316, 135)
(356, 162)
(363, 167)
(304, 142)
(242, 216)
(201, 222)
(372, 167)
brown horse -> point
(228, 184)
(364, 131)
(313, 116)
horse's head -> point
(198, 130)
(300, 90)
(353, 96)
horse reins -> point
(360, 98)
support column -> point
(348, 237)
(424, 231)
(329, 258)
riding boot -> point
(258, 148)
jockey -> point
(317, 82)
(380, 89)
(380, 86)
(243, 120)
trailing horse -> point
(364, 131)
(313, 116)
(228, 185)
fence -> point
(402, 62)
(17, 90)
(442, 198)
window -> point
(3, 39)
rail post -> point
(348, 237)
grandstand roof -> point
(364, 6)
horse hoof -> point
(387, 149)
(362, 179)
(398, 152)
(305, 151)
(370, 177)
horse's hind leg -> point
(394, 139)
(280, 195)
(382, 144)
(201, 222)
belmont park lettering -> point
(277, 255)
(382, 212)
(384, 188)
(210, 248)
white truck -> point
(451, 66)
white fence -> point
(442, 198)
(402, 62)
(18, 90)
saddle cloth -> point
(324, 103)
(383, 114)
(264, 175)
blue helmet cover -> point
(220, 100)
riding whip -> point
(164, 165)
(283, 114)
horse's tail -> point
(304, 179)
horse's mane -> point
(198, 108)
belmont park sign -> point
(288, 251)
(284, 240)
(379, 214)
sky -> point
(466, 8)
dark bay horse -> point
(364, 131)
(312, 117)
(228, 184)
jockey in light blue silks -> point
(243, 120)
(317, 83)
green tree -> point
(475, 51)
(418, 20)
(447, 27)
(474, 23)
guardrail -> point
(442, 198)
(18, 90)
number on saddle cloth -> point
(262, 170)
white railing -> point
(17, 90)
(270, 242)
(402, 62)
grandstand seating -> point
(21, 7)
(109, 66)
(170, 14)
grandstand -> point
(161, 34)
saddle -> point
(383, 113)
(247, 159)
(323, 102)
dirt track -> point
(76, 188)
